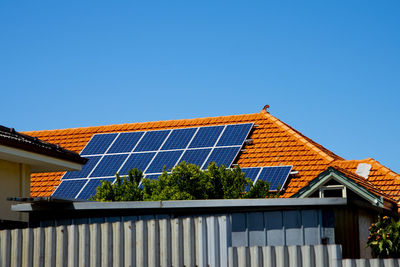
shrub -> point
(384, 238)
(185, 181)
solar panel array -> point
(276, 175)
(150, 151)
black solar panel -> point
(152, 150)
(152, 141)
(125, 142)
(99, 144)
(179, 139)
(90, 187)
(275, 175)
(167, 159)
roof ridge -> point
(324, 152)
(137, 123)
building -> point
(367, 187)
(21, 155)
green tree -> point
(124, 189)
(184, 182)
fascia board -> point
(38, 162)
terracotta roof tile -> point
(274, 143)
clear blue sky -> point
(330, 69)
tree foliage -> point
(384, 238)
(184, 182)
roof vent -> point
(363, 170)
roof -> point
(380, 176)
(274, 144)
(11, 138)
(357, 183)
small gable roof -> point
(274, 144)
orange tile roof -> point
(274, 143)
(363, 182)
(379, 175)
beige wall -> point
(14, 182)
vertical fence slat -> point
(106, 244)
(282, 256)
(243, 256)
(321, 255)
(16, 247)
(130, 243)
(5, 254)
(176, 240)
(295, 258)
(334, 255)
(165, 242)
(201, 241)
(213, 241)
(39, 245)
(224, 239)
(348, 263)
(95, 245)
(84, 245)
(256, 259)
(308, 256)
(141, 243)
(189, 252)
(118, 242)
(269, 256)
(50, 248)
(61, 246)
(73, 245)
(27, 247)
(154, 243)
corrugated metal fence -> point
(300, 256)
(199, 241)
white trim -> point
(38, 162)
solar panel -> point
(108, 165)
(152, 141)
(195, 156)
(167, 159)
(69, 188)
(98, 144)
(275, 175)
(234, 135)
(86, 169)
(125, 142)
(90, 187)
(222, 156)
(150, 151)
(137, 160)
(179, 139)
(252, 174)
(206, 136)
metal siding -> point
(239, 229)
(256, 226)
(293, 228)
(274, 226)
(310, 221)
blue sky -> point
(330, 69)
